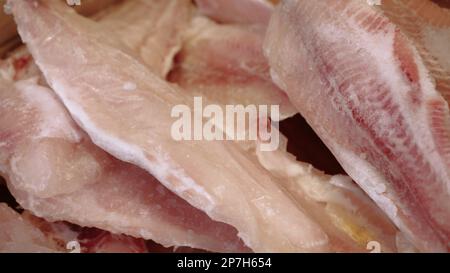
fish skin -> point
(236, 11)
(350, 103)
(258, 220)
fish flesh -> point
(18, 235)
(54, 170)
(151, 29)
(134, 126)
(74, 239)
(348, 216)
(48, 203)
(428, 25)
(363, 87)
(25, 233)
(225, 64)
(345, 219)
(236, 11)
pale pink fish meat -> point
(349, 217)
(25, 233)
(91, 76)
(54, 170)
(76, 239)
(152, 29)
(20, 65)
(428, 25)
(361, 84)
(100, 241)
(236, 11)
(225, 63)
(19, 235)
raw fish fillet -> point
(55, 171)
(363, 87)
(150, 30)
(92, 76)
(428, 25)
(225, 63)
(348, 216)
(341, 219)
(87, 240)
(18, 235)
(236, 11)
(20, 65)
